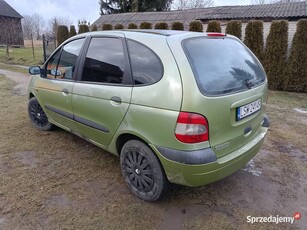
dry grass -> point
(55, 180)
(22, 56)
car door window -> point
(63, 63)
(105, 61)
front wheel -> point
(142, 171)
(37, 115)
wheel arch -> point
(124, 138)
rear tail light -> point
(191, 128)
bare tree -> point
(191, 4)
(27, 26)
(38, 24)
(285, 1)
(12, 33)
(258, 2)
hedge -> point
(118, 27)
(72, 31)
(107, 27)
(83, 28)
(132, 26)
(196, 26)
(275, 54)
(297, 63)
(254, 37)
(161, 26)
(145, 25)
(62, 34)
(177, 26)
(234, 27)
(214, 26)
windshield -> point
(222, 66)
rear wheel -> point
(142, 171)
(37, 115)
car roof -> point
(165, 33)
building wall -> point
(11, 31)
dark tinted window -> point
(104, 61)
(62, 64)
(222, 65)
(146, 66)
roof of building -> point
(8, 11)
(271, 11)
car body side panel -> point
(49, 93)
(166, 93)
(92, 102)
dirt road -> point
(55, 180)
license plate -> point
(249, 109)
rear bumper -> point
(192, 174)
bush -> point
(297, 63)
(72, 31)
(62, 34)
(118, 27)
(83, 28)
(94, 28)
(177, 26)
(132, 26)
(145, 25)
(254, 37)
(234, 27)
(161, 26)
(196, 26)
(107, 27)
(275, 54)
(214, 26)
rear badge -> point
(222, 146)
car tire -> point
(142, 171)
(37, 115)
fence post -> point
(32, 47)
(44, 48)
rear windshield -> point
(222, 65)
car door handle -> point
(116, 99)
(65, 91)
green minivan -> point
(176, 107)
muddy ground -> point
(55, 180)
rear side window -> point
(146, 66)
(222, 66)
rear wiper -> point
(249, 84)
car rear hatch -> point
(226, 84)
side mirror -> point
(34, 70)
(55, 72)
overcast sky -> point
(77, 9)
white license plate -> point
(248, 109)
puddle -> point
(300, 110)
(27, 158)
(58, 200)
(251, 168)
(2, 220)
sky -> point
(77, 9)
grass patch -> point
(22, 56)
(14, 68)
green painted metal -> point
(150, 112)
